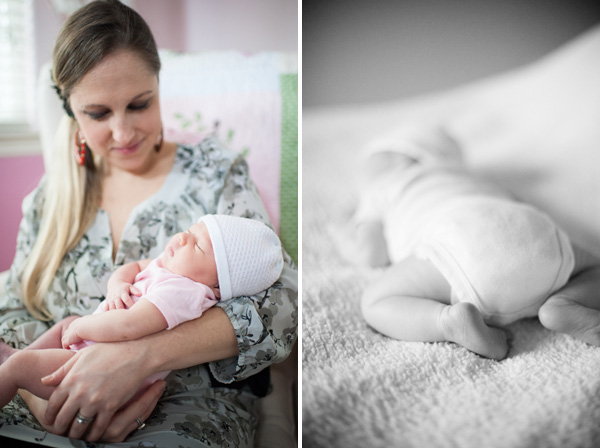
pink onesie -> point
(178, 298)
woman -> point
(120, 199)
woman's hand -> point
(96, 383)
(122, 423)
(99, 379)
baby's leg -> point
(24, 370)
(6, 351)
(410, 302)
(575, 309)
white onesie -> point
(503, 256)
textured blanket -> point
(535, 132)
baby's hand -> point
(362, 243)
(119, 296)
(69, 336)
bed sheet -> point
(535, 131)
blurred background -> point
(358, 51)
(28, 29)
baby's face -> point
(190, 254)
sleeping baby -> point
(216, 259)
(463, 257)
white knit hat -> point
(247, 253)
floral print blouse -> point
(206, 178)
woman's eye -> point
(139, 106)
(96, 115)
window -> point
(13, 57)
(16, 82)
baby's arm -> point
(362, 243)
(120, 285)
(361, 239)
(140, 320)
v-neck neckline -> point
(168, 182)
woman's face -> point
(116, 105)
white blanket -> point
(535, 131)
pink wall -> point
(194, 25)
(204, 25)
(18, 176)
(247, 26)
(166, 20)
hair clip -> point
(66, 106)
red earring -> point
(80, 148)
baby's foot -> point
(567, 316)
(463, 324)
(5, 352)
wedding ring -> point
(81, 419)
(141, 424)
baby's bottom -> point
(411, 302)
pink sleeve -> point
(180, 299)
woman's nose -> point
(123, 132)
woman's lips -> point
(128, 149)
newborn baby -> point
(465, 258)
(218, 258)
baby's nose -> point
(182, 239)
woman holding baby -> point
(115, 193)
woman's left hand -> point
(96, 383)
(125, 421)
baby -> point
(218, 258)
(465, 258)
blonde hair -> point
(72, 193)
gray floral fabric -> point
(206, 178)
